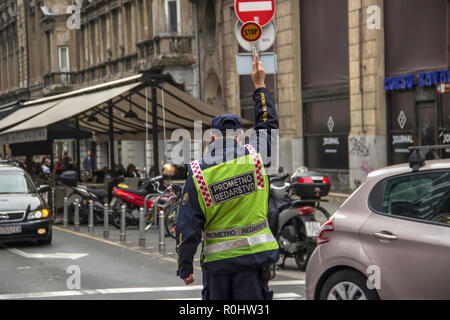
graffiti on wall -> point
(358, 146)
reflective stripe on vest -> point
(258, 166)
(239, 243)
(198, 175)
(236, 232)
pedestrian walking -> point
(66, 161)
(226, 197)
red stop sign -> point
(260, 11)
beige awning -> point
(70, 107)
(175, 109)
(24, 113)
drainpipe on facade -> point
(197, 49)
(28, 48)
(361, 68)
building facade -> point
(356, 81)
(53, 46)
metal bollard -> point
(66, 213)
(141, 227)
(162, 233)
(106, 222)
(91, 217)
(123, 224)
(159, 214)
(76, 218)
(156, 212)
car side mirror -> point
(44, 188)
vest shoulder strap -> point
(257, 162)
(204, 191)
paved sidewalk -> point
(131, 238)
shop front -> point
(417, 36)
(326, 125)
(325, 89)
(418, 114)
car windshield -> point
(12, 182)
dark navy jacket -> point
(191, 218)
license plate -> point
(10, 230)
(312, 229)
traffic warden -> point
(225, 203)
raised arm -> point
(265, 136)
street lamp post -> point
(197, 48)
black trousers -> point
(243, 285)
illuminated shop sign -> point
(424, 79)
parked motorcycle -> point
(97, 196)
(134, 200)
(293, 216)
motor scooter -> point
(292, 221)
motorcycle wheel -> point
(116, 215)
(115, 219)
(305, 250)
(321, 215)
(170, 219)
(83, 214)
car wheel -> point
(347, 285)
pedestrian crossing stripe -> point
(69, 293)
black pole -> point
(29, 162)
(77, 138)
(50, 152)
(111, 137)
(155, 131)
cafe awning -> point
(7, 109)
(128, 99)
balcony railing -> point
(62, 78)
(166, 50)
(162, 50)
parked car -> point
(390, 239)
(24, 214)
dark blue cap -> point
(226, 121)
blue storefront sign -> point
(424, 79)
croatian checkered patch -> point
(258, 166)
(198, 175)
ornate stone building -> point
(53, 46)
(342, 92)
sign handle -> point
(253, 48)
